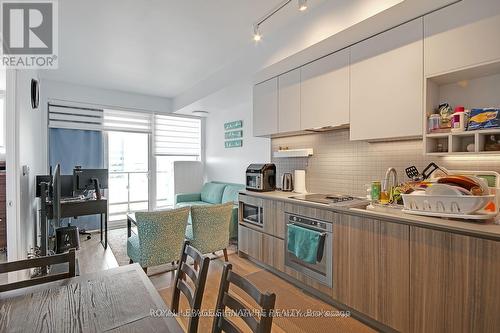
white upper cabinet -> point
(289, 101)
(387, 84)
(265, 108)
(464, 34)
(324, 92)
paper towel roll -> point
(299, 185)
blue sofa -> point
(214, 193)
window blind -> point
(128, 121)
(65, 116)
(177, 136)
(74, 117)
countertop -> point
(487, 230)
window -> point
(176, 139)
(128, 156)
(128, 136)
(135, 143)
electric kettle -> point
(287, 182)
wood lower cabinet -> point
(262, 247)
(371, 268)
(274, 218)
(454, 282)
(409, 278)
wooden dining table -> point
(121, 299)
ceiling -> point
(157, 47)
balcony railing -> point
(128, 192)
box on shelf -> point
(486, 118)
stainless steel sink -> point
(391, 209)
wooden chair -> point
(265, 301)
(198, 276)
(14, 266)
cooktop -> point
(331, 199)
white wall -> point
(71, 92)
(26, 151)
(229, 164)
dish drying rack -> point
(459, 206)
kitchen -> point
(407, 271)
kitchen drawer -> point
(320, 214)
(274, 218)
(262, 247)
(250, 200)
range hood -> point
(326, 128)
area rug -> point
(117, 240)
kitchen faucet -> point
(393, 174)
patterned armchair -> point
(159, 238)
(209, 231)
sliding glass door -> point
(128, 164)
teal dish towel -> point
(303, 243)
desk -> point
(130, 220)
(117, 300)
(75, 208)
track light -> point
(256, 34)
(302, 5)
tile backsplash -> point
(342, 166)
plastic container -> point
(447, 204)
(434, 122)
(458, 120)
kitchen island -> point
(392, 270)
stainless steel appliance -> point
(252, 212)
(287, 182)
(321, 271)
(332, 199)
(261, 177)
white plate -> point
(445, 189)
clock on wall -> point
(35, 93)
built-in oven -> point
(252, 211)
(321, 270)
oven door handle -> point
(305, 227)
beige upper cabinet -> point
(461, 35)
(265, 108)
(289, 101)
(324, 92)
(387, 84)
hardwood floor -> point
(92, 257)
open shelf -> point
(475, 87)
(305, 152)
